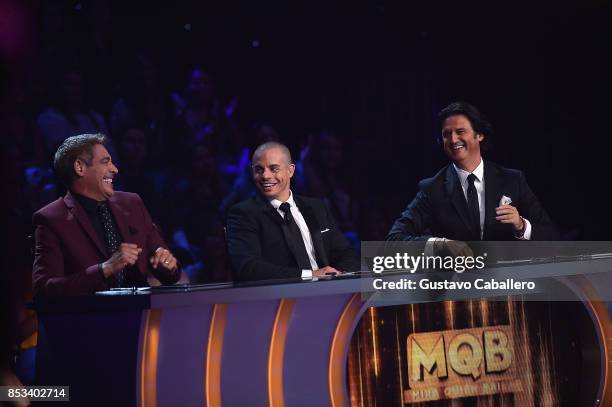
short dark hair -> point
(73, 148)
(269, 145)
(479, 122)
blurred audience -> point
(17, 121)
(133, 175)
(18, 323)
(196, 196)
(201, 118)
(144, 101)
(323, 173)
(69, 111)
(374, 220)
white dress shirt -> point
(479, 184)
(301, 223)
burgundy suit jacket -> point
(68, 250)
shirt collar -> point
(463, 174)
(90, 205)
(277, 203)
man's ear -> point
(291, 170)
(79, 167)
(480, 137)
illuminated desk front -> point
(273, 344)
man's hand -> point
(164, 258)
(325, 271)
(127, 254)
(509, 214)
(453, 248)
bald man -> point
(278, 235)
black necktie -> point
(296, 235)
(472, 201)
(112, 240)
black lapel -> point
(269, 210)
(454, 191)
(276, 218)
(493, 193)
(79, 214)
(315, 231)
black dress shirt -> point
(91, 209)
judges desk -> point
(290, 343)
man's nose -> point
(114, 169)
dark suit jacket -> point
(260, 245)
(440, 208)
(68, 250)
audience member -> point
(326, 176)
(134, 177)
(196, 195)
(143, 101)
(201, 118)
(69, 112)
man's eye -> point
(275, 169)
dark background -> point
(376, 71)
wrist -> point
(521, 230)
(106, 269)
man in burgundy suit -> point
(94, 238)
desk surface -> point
(594, 268)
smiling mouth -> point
(268, 185)
(108, 181)
(457, 147)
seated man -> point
(279, 235)
(471, 199)
(94, 238)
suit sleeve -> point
(531, 209)
(155, 241)
(48, 277)
(243, 240)
(342, 256)
(415, 222)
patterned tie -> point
(112, 240)
(296, 235)
(472, 201)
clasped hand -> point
(127, 255)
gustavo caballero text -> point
(478, 284)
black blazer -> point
(440, 208)
(260, 245)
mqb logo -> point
(461, 363)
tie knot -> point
(471, 178)
(285, 207)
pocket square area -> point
(325, 230)
(505, 200)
